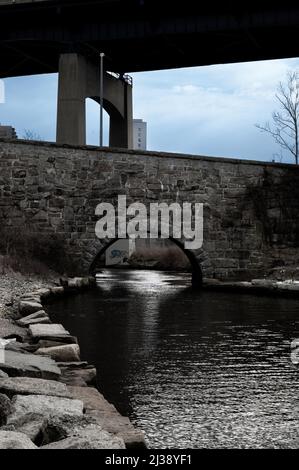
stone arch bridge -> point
(251, 217)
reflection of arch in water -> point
(195, 258)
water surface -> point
(208, 370)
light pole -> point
(102, 55)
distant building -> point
(7, 132)
(139, 134)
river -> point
(193, 370)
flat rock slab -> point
(97, 439)
(79, 433)
(44, 406)
(29, 386)
(9, 329)
(37, 321)
(87, 374)
(33, 318)
(29, 365)
(15, 440)
(91, 398)
(31, 424)
(45, 343)
(68, 352)
(55, 330)
(23, 348)
(27, 307)
(107, 416)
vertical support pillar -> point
(121, 125)
(79, 78)
(71, 114)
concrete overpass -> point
(140, 35)
(67, 36)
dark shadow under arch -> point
(197, 276)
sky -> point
(208, 110)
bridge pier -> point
(79, 78)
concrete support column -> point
(121, 127)
(71, 114)
(79, 78)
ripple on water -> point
(193, 371)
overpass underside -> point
(67, 36)
(140, 36)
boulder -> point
(91, 397)
(264, 283)
(87, 373)
(3, 375)
(107, 416)
(31, 424)
(73, 380)
(30, 386)
(27, 307)
(15, 440)
(25, 321)
(23, 348)
(78, 433)
(120, 426)
(9, 329)
(38, 321)
(44, 405)
(75, 283)
(40, 331)
(56, 291)
(287, 286)
(65, 353)
(43, 293)
(5, 408)
(44, 343)
(29, 365)
(95, 439)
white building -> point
(139, 134)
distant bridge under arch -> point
(195, 258)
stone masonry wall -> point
(251, 216)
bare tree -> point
(285, 122)
(31, 135)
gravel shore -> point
(14, 285)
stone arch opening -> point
(193, 258)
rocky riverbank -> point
(289, 287)
(48, 396)
(14, 285)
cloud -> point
(212, 109)
(203, 110)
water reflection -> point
(192, 370)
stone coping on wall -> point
(148, 153)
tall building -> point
(8, 132)
(139, 134)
